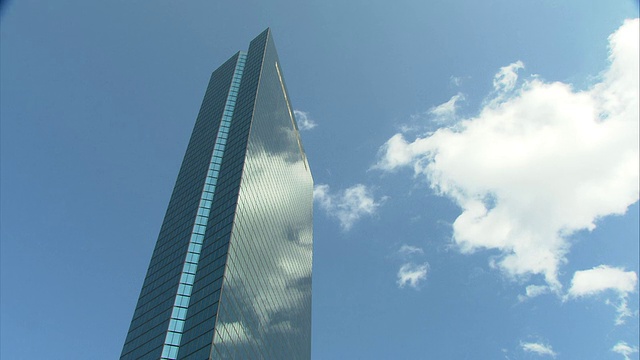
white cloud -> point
(622, 308)
(322, 196)
(624, 349)
(602, 278)
(506, 78)
(538, 348)
(532, 291)
(538, 163)
(536, 290)
(303, 120)
(412, 274)
(447, 110)
(409, 250)
(348, 206)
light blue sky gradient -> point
(98, 100)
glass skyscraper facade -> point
(230, 276)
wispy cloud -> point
(349, 205)
(455, 81)
(409, 250)
(532, 291)
(446, 111)
(624, 349)
(412, 274)
(304, 120)
(538, 348)
(506, 78)
(622, 309)
(539, 162)
(438, 115)
(605, 278)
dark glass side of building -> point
(230, 276)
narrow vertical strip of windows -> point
(286, 100)
(181, 303)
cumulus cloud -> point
(538, 348)
(412, 274)
(603, 278)
(539, 162)
(304, 120)
(348, 206)
(624, 349)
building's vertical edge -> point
(265, 308)
(151, 317)
(307, 200)
(209, 281)
(257, 51)
(251, 294)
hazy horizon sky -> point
(475, 168)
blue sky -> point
(476, 168)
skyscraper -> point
(230, 275)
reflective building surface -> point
(230, 276)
